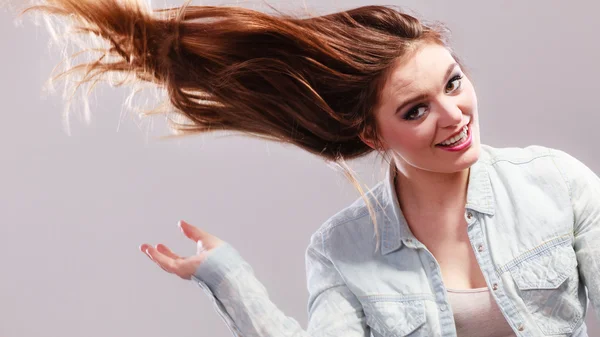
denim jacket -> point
(533, 219)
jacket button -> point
(469, 215)
(495, 286)
(521, 327)
(480, 248)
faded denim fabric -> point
(533, 219)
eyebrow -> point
(423, 96)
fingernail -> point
(179, 223)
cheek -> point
(410, 140)
(470, 96)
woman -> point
(459, 239)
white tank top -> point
(475, 310)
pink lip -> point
(456, 134)
(462, 146)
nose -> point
(449, 113)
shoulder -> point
(352, 217)
(514, 155)
(537, 166)
(533, 159)
(538, 155)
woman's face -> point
(426, 101)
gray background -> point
(73, 210)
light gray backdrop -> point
(73, 210)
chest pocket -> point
(395, 318)
(548, 283)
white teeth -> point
(458, 137)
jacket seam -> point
(345, 221)
(565, 178)
(533, 252)
(512, 161)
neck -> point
(421, 190)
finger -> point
(144, 249)
(192, 232)
(165, 250)
(165, 262)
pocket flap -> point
(546, 270)
(394, 318)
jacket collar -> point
(394, 230)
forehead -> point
(424, 70)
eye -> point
(414, 113)
(458, 81)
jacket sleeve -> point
(244, 305)
(584, 191)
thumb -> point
(193, 233)
(203, 240)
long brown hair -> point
(313, 82)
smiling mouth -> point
(457, 138)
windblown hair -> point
(313, 82)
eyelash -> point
(415, 108)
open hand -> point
(183, 267)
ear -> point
(367, 137)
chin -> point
(466, 159)
(461, 162)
